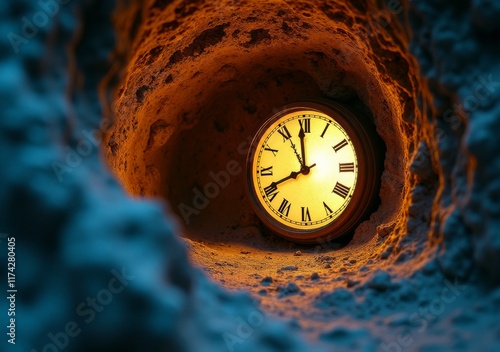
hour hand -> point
(293, 175)
(271, 190)
(302, 149)
(304, 170)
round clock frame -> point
(368, 149)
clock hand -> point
(296, 153)
(306, 169)
(302, 149)
(293, 175)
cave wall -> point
(76, 227)
(457, 48)
(204, 75)
(96, 270)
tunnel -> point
(126, 138)
(216, 86)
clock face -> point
(303, 172)
(319, 155)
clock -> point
(313, 170)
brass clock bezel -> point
(365, 141)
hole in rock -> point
(198, 85)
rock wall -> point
(100, 269)
(96, 270)
(204, 75)
(457, 48)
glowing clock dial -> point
(303, 172)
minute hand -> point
(302, 149)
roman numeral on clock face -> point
(269, 149)
(305, 125)
(341, 190)
(346, 167)
(327, 209)
(324, 131)
(285, 207)
(305, 214)
(271, 191)
(285, 133)
(267, 171)
(340, 145)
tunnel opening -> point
(420, 274)
(199, 85)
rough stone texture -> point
(207, 78)
(214, 72)
(79, 237)
(188, 73)
(457, 47)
